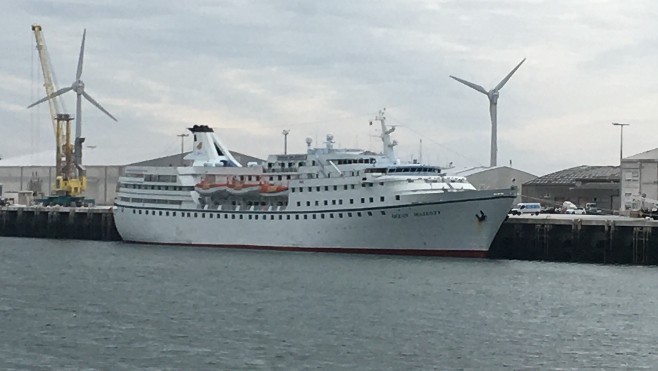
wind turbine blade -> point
(90, 99)
(82, 53)
(471, 85)
(53, 95)
(504, 81)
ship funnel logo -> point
(198, 146)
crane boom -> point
(48, 81)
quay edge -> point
(83, 223)
(560, 238)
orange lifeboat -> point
(272, 189)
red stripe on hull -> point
(340, 250)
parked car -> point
(592, 209)
(576, 211)
(526, 208)
(551, 210)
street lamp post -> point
(621, 156)
(285, 141)
(621, 141)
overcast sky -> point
(253, 68)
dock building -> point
(580, 185)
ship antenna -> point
(389, 152)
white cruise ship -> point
(326, 200)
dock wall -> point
(59, 223)
(597, 240)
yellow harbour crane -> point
(71, 179)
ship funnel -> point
(208, 150)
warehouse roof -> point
(582, 173)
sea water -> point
(118, 306)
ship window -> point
(331, 215)
(340, 215)
(321, 216)
(314, 216)
(292, 189)
(280, 177)
(381, 199)
(335, 188)
(241, 216)
(397, 197)
(308, 203)
(340, 202)
(271, 217)
(288, 217)
(280, 217)
(326, 202)
(288, 177)
(358, 214)
(297, 217)
(305, 216)
(256, 217)
(352, 186)
(351, 201)
(203, 215)
(232, 216)
(196, 215)
(225, 216)
(134, 211)
(299, 203)
(345, 187)
(317, 203)
(173, 214)
(310, 189)
(333, 202)
(189, 215)
(369, 213)
(371, 199)
(326, 188)
(363, 200)
(210, 216)
(349, 215)
(301, 189)
(140, 212)
(383, 212)
(249, 217)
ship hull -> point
(459, 224)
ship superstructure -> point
(327, 199)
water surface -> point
(105, 305)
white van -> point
(526, 208)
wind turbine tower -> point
(493, 95)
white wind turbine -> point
(493, 103)
(79, 87)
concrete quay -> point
(602, 239)
(84, 223)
